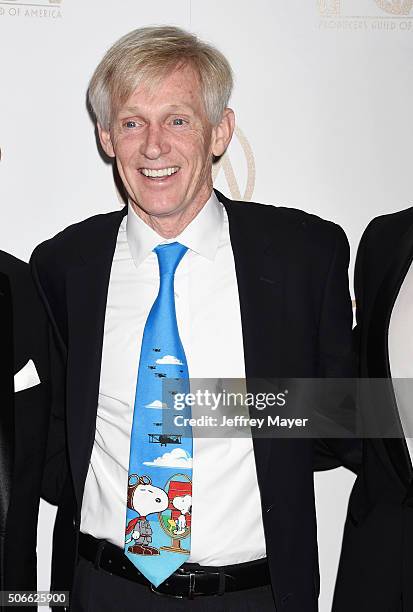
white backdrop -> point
(323, 99)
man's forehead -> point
(181, 80)
(136, 108)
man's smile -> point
(159, 173)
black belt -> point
(189, 580)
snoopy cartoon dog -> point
(145, 499)
(182, 503)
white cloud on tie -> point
(169, 360)
(177, 458)
(157, 404)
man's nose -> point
(155, 143)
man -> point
(377, 556)
(24, 419)
(250, 290)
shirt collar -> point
(202, 235)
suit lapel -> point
(87, 288)
(377, 345)
(259, 274)
(6, 398)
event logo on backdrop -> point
(397, 7)
(384, 15)
(35, 9)
(240, 155)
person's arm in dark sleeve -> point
(56, 464)
(338, 361)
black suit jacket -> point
(24, 418)
(376, 564)
(296, 318)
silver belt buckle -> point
(220, 584)
(191, 590)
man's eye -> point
(178, 121)
(130, 124)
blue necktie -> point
(158, 519)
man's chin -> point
(151, 208)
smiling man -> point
(164, 143)
(183, 282)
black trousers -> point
(95, 590)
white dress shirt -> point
(400, 342)
(226, 522)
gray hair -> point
(146, 56)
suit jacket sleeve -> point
(56, 463)
(359, 276)
(337, 358)
(27, 425)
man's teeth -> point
(157, 173)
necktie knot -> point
(169, 255)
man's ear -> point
(105, 141)
(222, 133)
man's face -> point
(164, 146)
